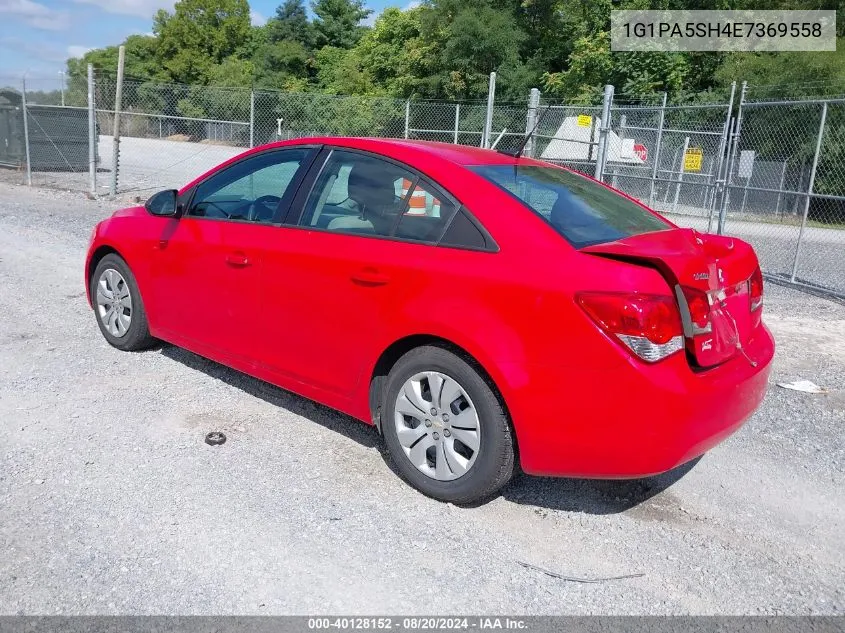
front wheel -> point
(445, 429)
(118, 305)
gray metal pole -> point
(809, 191)
(680, 175)
(457, 121)
(657, 152)
(531, 121)
(488, 121)
(93, 137)
(407, 117)
(601, 155)
(26, 133)
(622, 121)
(780, 188)
(726, 193)
(118, 104)
(252, 118)
(719, 182)
(62, 77)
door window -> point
(249, 190)
(362, 194)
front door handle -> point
(238, 260)
(370, 277)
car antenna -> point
(518, 152)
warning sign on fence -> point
(693, 158)
(585, 120)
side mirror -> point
(164, 203)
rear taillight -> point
(648, 325)
(698, 303)
(755, 290)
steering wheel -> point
(263, 208)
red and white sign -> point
(641, 152)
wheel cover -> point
(114, 302)
(437, 425)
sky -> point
(37, 36)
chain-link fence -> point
(786, 189)
(770, 172)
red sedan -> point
(478, 308)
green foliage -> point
(290, 24)
(442, 49)
(199, 35)
(338, 22)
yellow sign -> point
(693, 158)
(585, 120)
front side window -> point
(581, 210)
(362, 194)
(250, 189)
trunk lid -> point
(709, 275)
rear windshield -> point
(581, 210)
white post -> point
(26, 134)
(488, 121)
(407, 117)
(62, 79)
(93, 137)
(118, 99)
(457, 121)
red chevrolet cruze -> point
(478, 308)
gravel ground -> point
(110, 502)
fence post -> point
(531, 121)
(252, 118)
(719, 182)
(457, 121)
(601, 154)
(726, 193)
(656, 164)
(118, 104)
(809, 191)
(488, 120)
(26, 132)
(680, 175)
(93, 137)
(622, 121)
(780, 188)
(407, 117)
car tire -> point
(430, 454)
(125, 326)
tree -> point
(339, 71)
(395, 56)
(473, 39)
(291, 24)
(278, 64)
(200, 34)
(338, 22)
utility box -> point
(58, 136)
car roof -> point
(457, 154)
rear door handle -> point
(370, 277)
(238, 260)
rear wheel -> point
(444, 427)
(118, 305)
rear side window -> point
(362, 194)
(581, 210)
